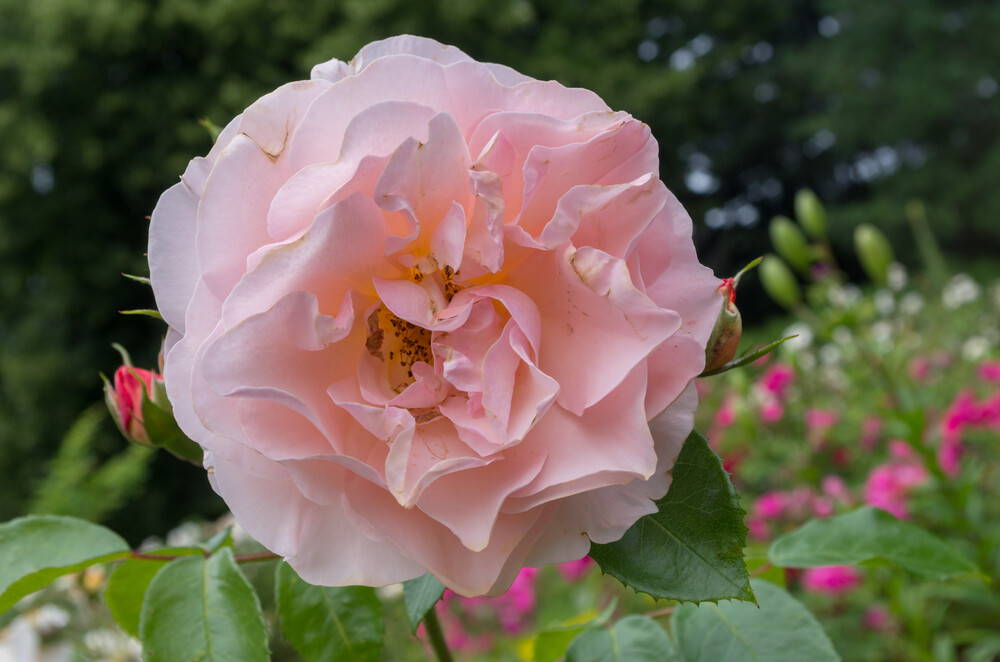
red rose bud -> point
(125, 396)
(137, 400)
(725, 338)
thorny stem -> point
(436, 637)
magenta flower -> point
(832, 579)
(777, 379)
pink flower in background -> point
(770, 505)
(871, 430)
(771, 411)
(819, 420)
(725, 415)
(573, 570)
(832, 579)
(822, 507)
(889, 485)
(920, 369)
(777, 378)
(878, 618)
(834, 487)
(964, 412)
(428, 314)
(989, 371)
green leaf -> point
(203, 610)
(420, 595)
(329, 624)
(634, 638)
(35, 550)
(869, 534)
(128, 583)
(692, 548)
(780, 630)
(550, 644)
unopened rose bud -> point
(790, 243)
(124, 397)
(810, 213)
(779, 282)
(874, 252)
(137, 400)
(725, 338)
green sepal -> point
(147, 312)
(748, 356)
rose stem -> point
(436, 637)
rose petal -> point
(596, 326)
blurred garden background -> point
(889, 111)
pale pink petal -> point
(549, 172)
(595, 325)
(173, 261)
(424, 180)
(436, 548)
(473, 521)
(320, 134)
(271, 509)
(232, 215)
(340, 252)
(610, 444)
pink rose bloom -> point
(831, 579)
(428, 314)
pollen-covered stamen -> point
(399, 344)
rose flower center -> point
(399, 343)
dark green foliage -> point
(692, 548)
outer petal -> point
(173, 259)
(269, 506)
